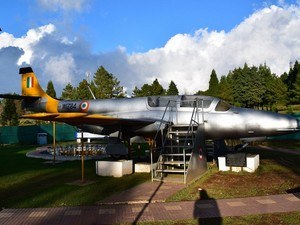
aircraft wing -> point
(18, 97)
(84, 118)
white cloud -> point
(60, 69)
(270, 36)
(26, 42)
(67, 5)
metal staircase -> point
(175, 156)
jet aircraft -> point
(144, 116)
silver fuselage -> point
(221, 120)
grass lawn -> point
(27, 182)
(278, 173)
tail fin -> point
(30, 84)
(31, 87)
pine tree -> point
(107, 85)
(213, 84)
(156, 88)
(50, 89)
(69, 92)
(82, 91)
(172, 89)
(225, 89)
(296, 90)
(290, 80)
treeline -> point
(247, 86)
(106, 85)
(257, 87)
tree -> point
(69, 92)
(172, 89)
(107, 85)
(156, 88)
(50, 89)
(225, 89)
(82, 91)
(9, 115)
(213, 84)
(296, 89)
(290, 81)
(145, 90)
(248, 88)
(148, 90)
(274, 89)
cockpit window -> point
(192, 101)
(162, 101)
(222, 106)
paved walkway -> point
(146, 203)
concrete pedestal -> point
(114, 168)
(143, 167)
(222, 164)
(252, 164)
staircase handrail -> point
(195, 110)
(162, 120)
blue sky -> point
(140, 40)
(138, 25)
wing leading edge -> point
(84, 118)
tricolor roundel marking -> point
(84, 106)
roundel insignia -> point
(84, 106)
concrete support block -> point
(252, 163)
(114, 168)
(222, 164)
(143, 167)
(236, 169)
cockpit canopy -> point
(187, 101)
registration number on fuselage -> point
(69, 106)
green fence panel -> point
(28, 134)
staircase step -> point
(172, 162)
(179, 146)
(180, 139)
(178, 132)
(176, 154)
(183, 125)
(170, 171)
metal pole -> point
(151, 156)
(82, 159)
(184, 167)
(54, 142)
